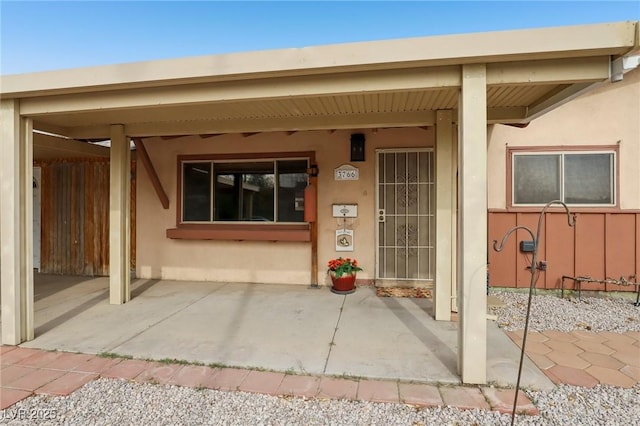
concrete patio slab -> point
(274, 327)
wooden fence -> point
(602, 245)
(75, 216)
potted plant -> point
(343, 274)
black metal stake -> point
(534, 265)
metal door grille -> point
(406, 215)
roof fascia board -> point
(307, 86)
(203, 127)
(530, 44)
(556, 71)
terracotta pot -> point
(345, 284)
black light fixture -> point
(357, 147)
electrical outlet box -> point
(527, 246)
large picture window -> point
(577, 178)
(244, 191)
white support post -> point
(472, 226)
(16, 224)
(445, 214)
(119, 217)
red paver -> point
(378, 391)
(127, 369)
(265, 382)
(537, 348)
(571, 376)
(559, 335)
(567, 360)
(501, 400)
(40, 359)
(464, 398)
(67, 383)
(422, 395)
(337, 388)
(6, 349)
(156, 372)
(588, 336)
(564, 347)
(301, 386)
(629, 357)
(541, 361)
(535, 336)
(8, 397)
(68, 361)
(631, 371)
(617, 337)
(11, 373)
(12, 357)
(633, 335)
(601, 360)
(609, 376)
(594, 346)
(35, 379)
(620, 345)
(192, 376)
(96, 364)
(225, 379)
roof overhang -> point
(392, 83)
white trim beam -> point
(472, 226)
(556, 71)
(119, 217)
(402, 80)
(202, 127)
(445, 214)
(16, 224)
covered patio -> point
(300, 330)
(448, 87)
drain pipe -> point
(621, 66)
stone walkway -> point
(584, 358)
(28, 371)
(577, 358)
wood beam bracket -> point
(143, 156)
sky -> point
(50, 35)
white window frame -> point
(562, 153)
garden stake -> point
(534, 265)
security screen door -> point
(406, 217)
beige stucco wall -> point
(608, 115)
(264, 262)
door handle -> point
(381, 216)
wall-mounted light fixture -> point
(312, 171)
(357, 147)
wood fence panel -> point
(590, 248)
(560, 247)
(75, 217)
(602, 245)
(503, 264)
(620, 249)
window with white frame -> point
(244, 190)
(576, 177)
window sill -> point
(242, 232)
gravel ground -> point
(118, 402)
(553, 313)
